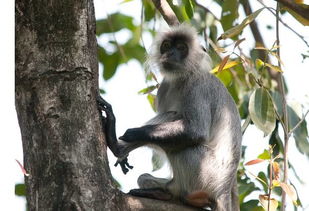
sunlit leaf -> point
(151, 99)
(224, 65)
(290, 191)
(259, 64)
(276, 169)
(125, 1)
(276, 183)
(253, 162)
(265, 155)
(147, 90)
(262, 110)
(273, 67)
(238, 29)
(273, 203)
(189, 7)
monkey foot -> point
(154, 193)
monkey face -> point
(173, 52)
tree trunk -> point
(56, 88)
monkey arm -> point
(109, 124)
(168, 135)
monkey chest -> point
(169, 100)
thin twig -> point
(206, 10)
(286, 25)
(285, 114)
(298, 124)
(270, 180)
(142, 27)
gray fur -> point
(192, 101)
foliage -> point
(249, 79)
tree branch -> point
(167, 12)
(302, 11)
(138, 203)
(284, 24)
(259, 39)
(298, 124)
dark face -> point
(173, 52)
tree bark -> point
(56, 86)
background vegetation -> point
(251, 73)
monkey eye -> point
(165, 46)
(181, 46)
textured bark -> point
(56, 88)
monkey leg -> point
(146, 181)
(152, 187)
(153, 193)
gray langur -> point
(197, 126)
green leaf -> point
(125, 1)
(301, 133)
(151, 98)
(179, 11)
(149, 10)
(229, 13)
(102, 91)
(250, 206)
(262, 110)
(263, 177)
(265, 155)
(259, 64)
(20, 190)
(147, 90)
(276, 141)
(238, 28)
(110, 63)
(133, 50)
(114, 22)
(189, 7)
(245, 189)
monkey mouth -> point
(169, 65)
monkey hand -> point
(130, 135)
(125, 166)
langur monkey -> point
(197, 126)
